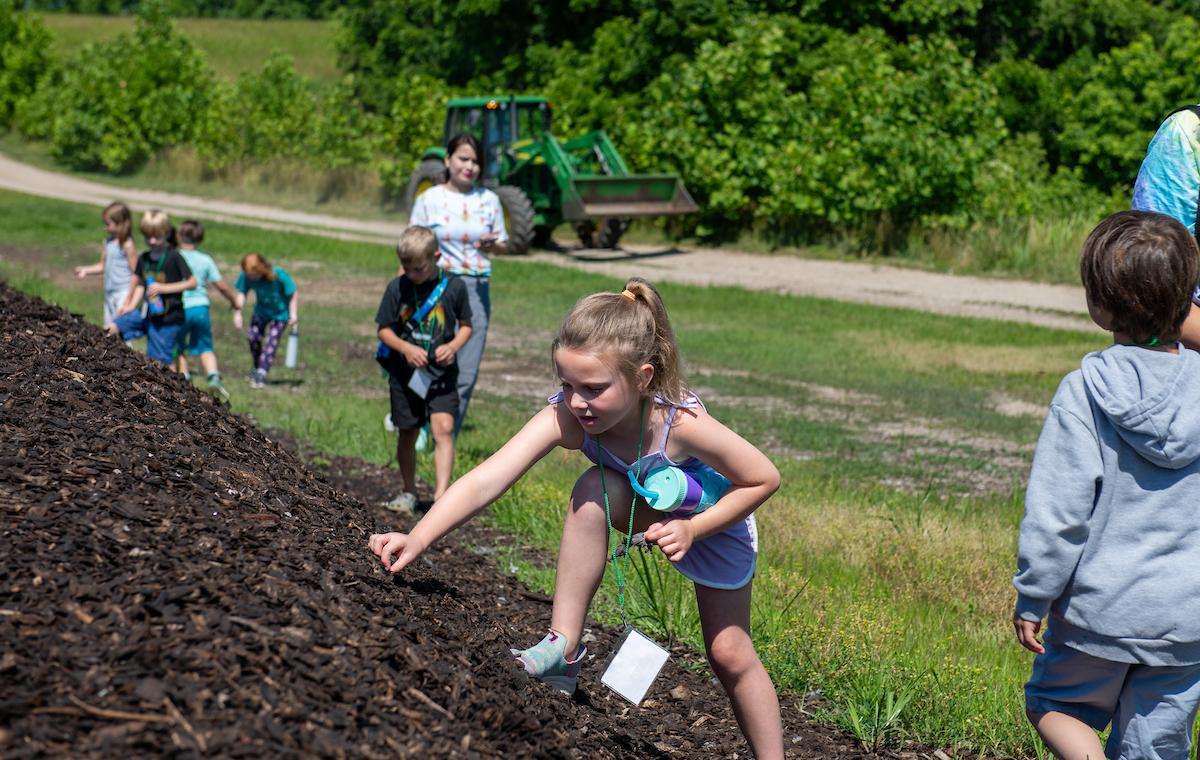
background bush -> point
(797, 120)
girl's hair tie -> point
(629, 294)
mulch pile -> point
(175, 582)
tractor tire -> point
(428, 173)
(605, 235)
(518, 218)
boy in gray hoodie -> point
(1110, 542)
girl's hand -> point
(293, 321)
(444, 354)
(81, 272)
(1027, 634)
(674, 537)
(395, 550)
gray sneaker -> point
(405, 504)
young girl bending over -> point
(625, 406)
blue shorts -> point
(196, 335)
(160, 338)
(1151, 708)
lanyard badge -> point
(634, 665)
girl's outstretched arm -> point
(753, 475)
(468, 495)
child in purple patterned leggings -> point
(274, 312)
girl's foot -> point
(547, 662)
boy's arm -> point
(169, 288)
(1066, 473)
(474, 491)
(413, 354)
(224, 289)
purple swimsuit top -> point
(653, 460)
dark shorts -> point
(410, 411)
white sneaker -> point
(387, 423)
(405, 504)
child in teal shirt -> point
(274, 312)
(196, 337)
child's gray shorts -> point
(1151, 708)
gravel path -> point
(1036, 303)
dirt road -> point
(1036, 303)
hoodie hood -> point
(1144, 395)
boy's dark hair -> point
(1141, 267)
(191, 232)
(417, 245)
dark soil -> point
(175, 582)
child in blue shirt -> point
(1111, 531)
(274, 312)
(196, 337)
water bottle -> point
(670, 489)
(154, 304)
(293, 347)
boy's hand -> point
(395, 550)
(674, 537)
(444, 354)
(153, 290)
(1027, 632)
(416, 357)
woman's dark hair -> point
(1141, 267)
(466, 138)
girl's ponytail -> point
(633, 329)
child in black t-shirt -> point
(161, 276)
(424, 319)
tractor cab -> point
(498, 123)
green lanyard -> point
(619, 565)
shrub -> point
(24, 57)
(118, 102)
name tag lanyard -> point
(634, 665)
(423, 334)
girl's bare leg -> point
(725, 621)
(441, 425)
(583, 552)
(1068, 737)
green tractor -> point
(543, 182)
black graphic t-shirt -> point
(165, 265)
(403, 298)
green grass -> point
(885, 575)
(232, 46)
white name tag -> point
(420, 381)
(634, 665)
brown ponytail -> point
(631, 326)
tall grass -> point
(883, 584)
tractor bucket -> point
(628, 196)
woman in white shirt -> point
(469, 224)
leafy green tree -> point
(118, 102)
(24, 57)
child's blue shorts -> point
(196, 336)
(160, 338)
(1151, 708)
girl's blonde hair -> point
(632, 329)
(255, 265)
(118, 213)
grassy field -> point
(232, 46)
(887, 555)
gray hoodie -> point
(1110, 541)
